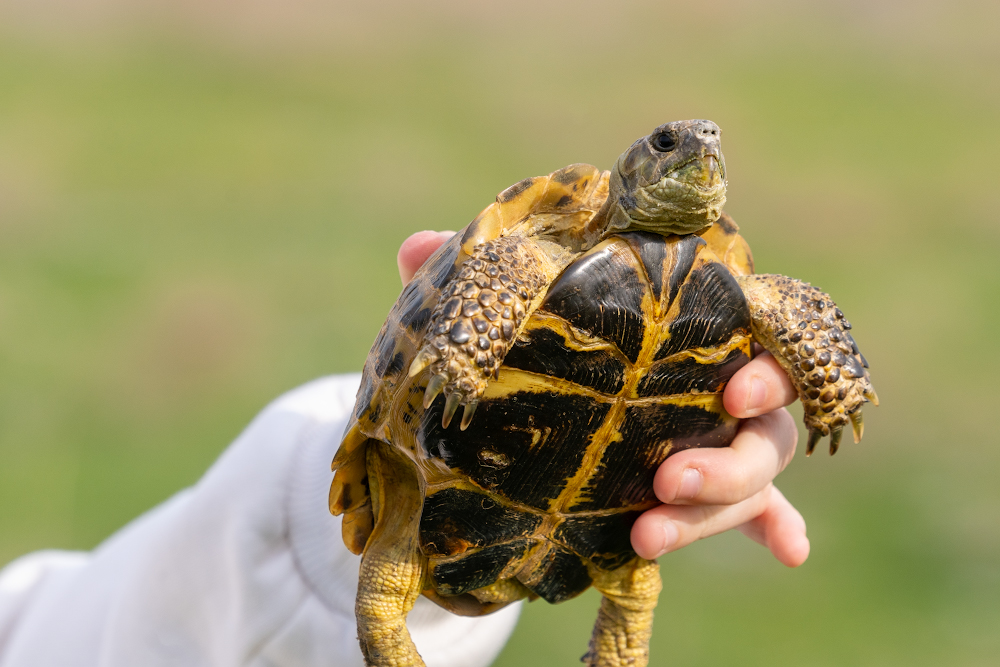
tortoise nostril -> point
(708, 130)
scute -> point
(683, 376)
(544, 351)
(687, 249)
(604, 539)
(712, 308)
(653, 254)
(524, 447)
(478, 569)
(561, 576)
(441, 266)
(602, 293)
(456, 520)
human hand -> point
(709, 491)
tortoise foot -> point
(810, 337)
(461, 384)
(480, 314)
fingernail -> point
(670, 536)
(691, 482)
(757, 396)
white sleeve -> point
(247, 568)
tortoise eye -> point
(663, 143)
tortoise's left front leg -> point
(811, 340)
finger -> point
(667, 528)
(728, 475)
(415, 251)
(759, 387)
(781, 529)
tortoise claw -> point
(835, 434)
(815, 435)
(470, 409)
(858, 423)
(434, 388)
(450, 407)
(423, 359)
(871, 396)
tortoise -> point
(587, 323)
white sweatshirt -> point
(247, 568)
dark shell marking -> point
(564, 445)
(545, 351)
(602, 294)
(452, 512)
(712, 308)
(543, 435)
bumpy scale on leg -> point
(809, 336)
(480, 314)
(625, 620)
(387, 592)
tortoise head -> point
(670, 182)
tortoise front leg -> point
(392, 566)
(625, 620)
(481, 313)
(810, 338)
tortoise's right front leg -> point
(481, 312)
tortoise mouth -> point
(703, 173)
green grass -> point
(189, 229)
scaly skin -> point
(478, 319)
(808, 335)
(625, 619)
(392, 567)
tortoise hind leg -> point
(392, 567)
(809, 337)
(481, 313)
(625, 620)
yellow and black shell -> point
(622, 365)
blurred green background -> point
(201, 202)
